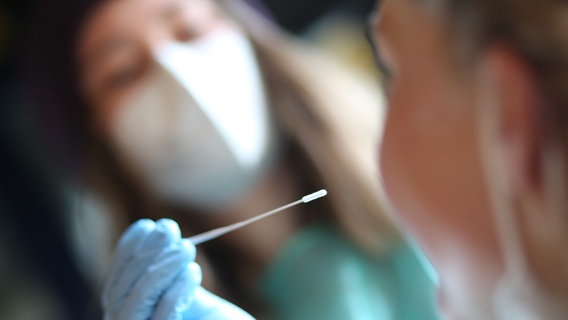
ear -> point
(526, 180)
(515, 94)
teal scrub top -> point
(320, 274)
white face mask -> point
(199, 131)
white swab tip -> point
(314, 196)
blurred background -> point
(39, 274)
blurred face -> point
(429, 157)
(176, 91)
(121, 37)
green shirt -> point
(321, 275)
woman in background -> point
(204, 112)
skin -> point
(429, 159)
(526, 169)
(471, 171)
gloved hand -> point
(153, 276)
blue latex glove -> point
(154, 276)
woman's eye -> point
(387, 80)
(384, 70)
(386, 73)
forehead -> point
(410, 25)
(395, 13)
(121, 17)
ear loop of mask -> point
(508, 235)
(517, 276)
(494, 167)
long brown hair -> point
(335, 117)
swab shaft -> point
(212, 234)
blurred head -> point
(120, 38)
(473, 154)
(174, 85)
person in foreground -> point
(473, 158)
(474, 153)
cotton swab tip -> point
(212, 234)
(314, 196)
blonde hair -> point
(335, 116)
